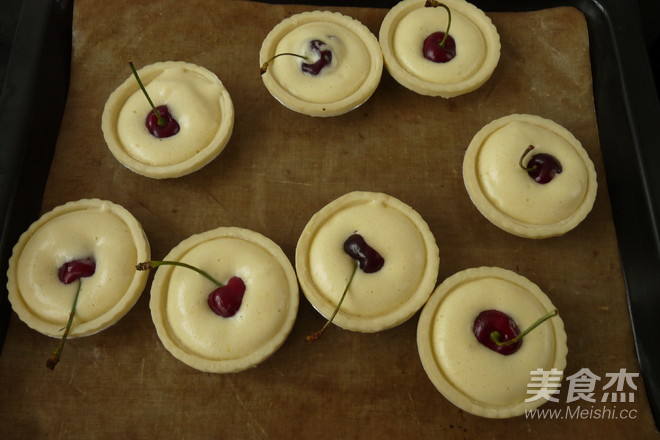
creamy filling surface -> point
(192, 98)
(74, 235)
(350, 67)
(263, 310)
(392, 234)
(414, 27)
(512, 191)
(480, 373)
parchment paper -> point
(277, 170)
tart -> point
(374, 301)
(477, 47)
(470, 375)
(88, 228)
(503, 191)
(188, 327)
(197, 100)
(345, 59)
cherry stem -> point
(55, 357)
(525, 153)
(153, 264)
(435, 4)
(313, 337)
(161, 120)
(265, 65)
(495, 335)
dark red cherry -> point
(368, 258)
(168, 126)
(490, 321)
(324, 58)
(75, 269)
(226, 300)
(437, 52)
(542, 167)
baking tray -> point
(32, 100)
(35, 90)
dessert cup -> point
(95, 228)
(346, 82)
(375, 301)
(470, 375)
(409, 23)
(505, 193)
(200, 338)
(197, 100)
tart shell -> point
(477, 47)
(504, 193)
(374, 301)
(471, 376)
(88, 227)
(192, 332)
(347, 85)
(196, 98)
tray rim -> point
(627, 111)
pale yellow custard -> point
(505, 193)
(471, 375)
(94, 228)
(343, 84)
(379, 300)
(197, 100)
(188, 327)
(409, 23)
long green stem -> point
(525, 153)
(264, 66)
(495, 335)
(435, 4)
(161, 120)
(55, 357)
(317, 335)
(153, 264)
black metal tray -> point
(34, 91)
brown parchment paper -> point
(277, 170)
